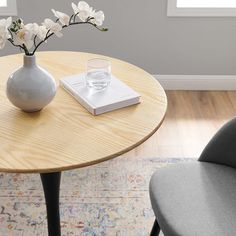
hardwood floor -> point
(191, 120)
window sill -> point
(201, 12)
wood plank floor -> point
(191, 120)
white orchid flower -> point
(81, 6)
(5, 23)
(42, 32)
(33, 27)
(24, 36)
(3, 39)
(53, 27)
(83, 10)
(98, 18)
(63, 18)
(4, 33)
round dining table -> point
(64, 135)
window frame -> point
(10, 9)
(173, 11)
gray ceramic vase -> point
(31, 88)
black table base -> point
(51, 187)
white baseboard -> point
(197, 82)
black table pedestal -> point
(51, 187)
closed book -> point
(117, 95)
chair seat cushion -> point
(195, 199)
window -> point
(201, 8)
(3, 3)
(8, 8)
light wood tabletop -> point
(64, 135)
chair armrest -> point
(222, 147)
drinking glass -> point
(98, 74)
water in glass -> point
(98, 75)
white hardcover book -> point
(116, 95)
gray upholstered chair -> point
(198, 198)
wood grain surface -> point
(64, 135)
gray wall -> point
(141, 33)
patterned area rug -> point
(110, 198)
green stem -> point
(47, 37)
(35, 37)
(75, 16)
(71, 18)
(16, 45)
(26, 50)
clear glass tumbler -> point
(98, 74)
